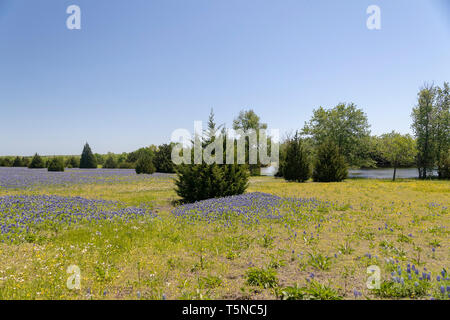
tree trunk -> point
(395, 171)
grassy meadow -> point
(313, 241)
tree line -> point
(337, 138)
(330, 142)
(144, 160)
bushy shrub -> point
(72, 162)
(126, 165)
(88, 160)
(25, 162)
(56, 164)
(37, 162)
(5, 162)
(17, 162)
(296, 165)
(110, 162)
(163, 159)
(263, 278)
(313, 291)
(203, 181)
(144, 164)
(330, 165)
(100, 159)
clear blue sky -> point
(139, 69)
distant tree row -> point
(332, 141)
(144, 160)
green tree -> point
(346, 126)
(88, 160)
(441, 129)
(25, 162)
(73, 162)
(37, 162)
(17, 162)
(248, 120)
(444, 168)
(56, 164)
(5, 162)
(423, 129)
(110, 162)
(330, 165)
(195, 182)
(163, 159)
(297, 166)
(100, 159)
(144, 165)
(375, 153)
(399, 150)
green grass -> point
(170, 258)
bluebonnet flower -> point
(356, 293)
(24, 178)
(20, 214)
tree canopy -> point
(346, 126)
(398, 149)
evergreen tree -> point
(17, 162)
(88, 160)
(296, 165)
(197, 182)
(330, 165)
(144, 164)
(110, 162)
(235, 179)
(37, 162)
(56, 164)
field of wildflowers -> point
(131, 240)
